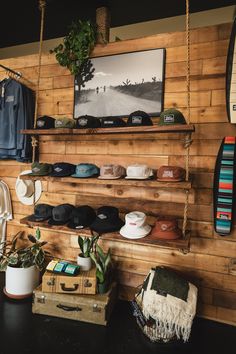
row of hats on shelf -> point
(107, 171)
(137, 118)
(105, 220)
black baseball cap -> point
(139, 118)
(86, 121)
(45, 122)
(62, 169)
(81, 217)
(42, 212)
(112, 122)
(61, 214)
(107, 220)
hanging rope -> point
(42, 5)
(188, 140)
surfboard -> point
(224, 186)
(231, 76)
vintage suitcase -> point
(88, 308)
(83, 283)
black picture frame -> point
(117, 85)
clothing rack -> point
(18, 74)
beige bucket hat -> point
(27, 191)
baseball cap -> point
(166, 228)
(84, 170)
(40, 169)
(64, 122)
(171, 116)
(86, 121)
(107, 220)
(111, 171)
(45, 122)
(42, 212)
(138, 118)
(61, 214)
(62, 169)
(135, 225)
(138, 171)
(81, 217)
(171, 174)
(112, 122)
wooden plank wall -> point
(210, 264)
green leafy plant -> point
(86, 245)
(102, 261)
(74, 52)
(24, 256)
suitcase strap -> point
(68, 308)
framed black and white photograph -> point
(117, 85)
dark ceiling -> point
(20, 19)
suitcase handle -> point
(64, 288)
(68, 308)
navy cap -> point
(45, 122)
(42, 212)
(139, 118)
(62, 169)
(61, 214)
(112, 122)
(86, 121)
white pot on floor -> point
(20, 282)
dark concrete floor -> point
(22, 332)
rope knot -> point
(34, 142)
(187, 141)
(42, 4)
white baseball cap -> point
(135, 225)
(138, 171)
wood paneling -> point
(209, 263)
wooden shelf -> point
(182, 244)
(182, 128)
(117, 182)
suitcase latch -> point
(87, 284)
(51, 282)
(41, 299)
(96, 308)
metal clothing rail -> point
(11, 71)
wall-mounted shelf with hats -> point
(181, 244)
(181, 128)
(118, 182)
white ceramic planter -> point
(20, 282)
(84, 263)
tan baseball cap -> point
(110, 171)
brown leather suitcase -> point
(88, 308)
(83, 283)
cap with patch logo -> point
(62, 169)
(85, 170)
(112, 122)
(171, 116)
(40, 169)
(107, 220)
(171, 174)
(138, 118)
(110, 171)
(45, 122)
(61, 214)
(42, 212)
(81, 217)
(86, 121)
(166, 228)
(64, 122)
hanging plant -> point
(74, 52)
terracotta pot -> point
(85, 263)
(20, 282)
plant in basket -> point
(86, 245)
(103, 264)
(23, 259)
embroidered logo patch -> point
(40, 123)
(58, 169)
(137, 120)
(102, 216)
(83, 121)
(169, 118)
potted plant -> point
(74, 52)
(86, 245)
(23, 263)
(102, 261)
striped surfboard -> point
(224, 186)
(231, 76)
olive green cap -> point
(41, 169)
(64, 122)
(171, 116)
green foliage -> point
(24, 256)
(76, 47)
(87, 244)
(102, 261)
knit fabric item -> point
(163, 305)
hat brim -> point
(53, 222)
(38, 174)
(101, 177)
(170, 179)
(36, 218)
(183, 123)
(72, 225)
(104, 226)
(55, 174)
(167, 235)
(90, 176)
(35, 196)
(139, 232)
(127, 177)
